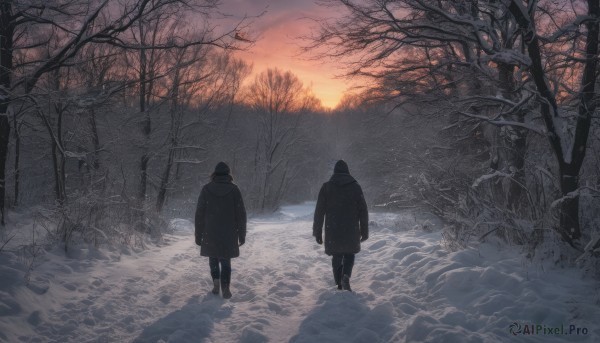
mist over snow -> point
(407, 288)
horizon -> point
(278, 32)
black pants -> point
(342, 265)
(224, 272)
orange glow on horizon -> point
(278, 46)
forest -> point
(472, 127)
(484, 113)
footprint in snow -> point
(377, 245)
(69, 286)
(165, 299)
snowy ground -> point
(407, 289)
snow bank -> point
(407, 289)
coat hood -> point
(222, 169)
(221, 185)
(342, 179)
(341, 174)
(341, 167)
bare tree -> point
(483, 60)
(200, 80)
(569, 151)
(95, 67)
(279, 99)
(183, 62)
(432, 51)
(27, 26)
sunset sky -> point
(278, 33)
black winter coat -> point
(220, 219)
(342, 203)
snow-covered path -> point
(407, 289)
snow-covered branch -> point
(501, 122)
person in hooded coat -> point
(342, 206)
(220, 226)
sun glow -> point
(277, 45)
(320, 78)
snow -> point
(486, 177)
(511, 57)
(408, 288)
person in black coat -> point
(220, 223)
(341, 205)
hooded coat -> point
(341, 205)
(220, 218)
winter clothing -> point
(346, 283)
(224, 272)
(225, 290)
(220, 216)
(341, 205)
(341, 167)
(220, 226)
(216, 286)
(342, 265)
(222, 169)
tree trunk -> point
(58, 156)
(17, 170)
(570, 162)
(178, 168)
(146, 125)
(569, 209)
(95, 140)
(175, 125)
(513, 143)
(162, 193)
(6, 66)
(587, 107)
(58, 163)
(570, 170)
(263, 191)
(508, 144)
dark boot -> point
(216, 286)
(346, 283)
(226, 291)
(336, 263)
